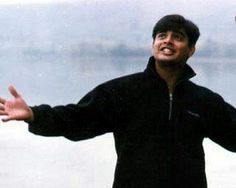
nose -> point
(168, 39)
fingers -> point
(2, 110)
(2, 107)
(2, 101)
(13, 91)
(3, 113)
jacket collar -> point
(188, 72)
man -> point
(159, 118)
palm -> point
(15, 109)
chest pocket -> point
(189, 125)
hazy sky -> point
(8, 2)
(195, 8)
(183, 3)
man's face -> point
(171, 47)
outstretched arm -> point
(15, 109)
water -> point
(34, 161)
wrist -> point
(30, 118)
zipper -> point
(171, 100)
(170, 105)
(187, 77)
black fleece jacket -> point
(158, 137)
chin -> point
(167, 61)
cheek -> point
(184, 51)
(155, 51)
(155, 47)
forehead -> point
(177, 31)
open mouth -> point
(167, 50)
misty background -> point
(55, 53)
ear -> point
(153, 41)
(191, 50)
(152, 45)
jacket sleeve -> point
(93, 115)
(221, 127)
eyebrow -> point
(180, 32)
(175, 31)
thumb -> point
(6, 119)
(13, 91)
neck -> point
(170, 74)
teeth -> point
(167, 50)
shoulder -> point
(126, 81)
(203, 93)
(115, 92)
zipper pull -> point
(170, 105)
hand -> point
(15, 109)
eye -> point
(178, 37)
(161, 35)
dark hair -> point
(175, 22)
